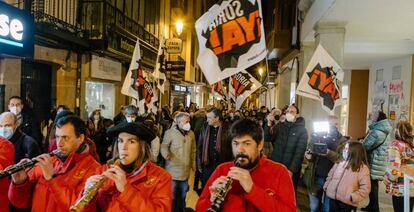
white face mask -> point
(290, 117)
(6, 132)
(16, 110)
(130, 119)
(186, 127)
(345, 155)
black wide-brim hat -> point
(138, 129)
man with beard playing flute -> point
(258, 184)
(136, 184)
(55, 181)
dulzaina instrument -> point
(90, 192)
(8, 171)
(222, 193)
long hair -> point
(357, 156)
(144, 152)
(405, 132)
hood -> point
(383, 125)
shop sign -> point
(120, 43)
(174, 45)
(16, 31)
(104, 68)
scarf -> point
(206, 143)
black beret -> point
(138, 129)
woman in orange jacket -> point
(136, 184)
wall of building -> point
(10, 71)
(390, 88)
(358, 98)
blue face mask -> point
(6, 132)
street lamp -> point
(260, 72)
(179, 25)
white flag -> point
(128, 88)
(159, 76)
(242, 85)
(231, 38)
(322, 80)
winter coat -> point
(148, 188)
(272, 190)
(377, 153)
(61, 191)
(343, 184)
(400, 157)
(30, 127)
(225, 154)
(181, 150)
(24, 146)
(6, 159)
(289, 143)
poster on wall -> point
(103, 68)
(231, 38)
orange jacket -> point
(147, 190)
(6, 159)
(272, 190)
(59, 193)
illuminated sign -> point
(16, 31)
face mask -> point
(16, 110)
(6, 132)
(345, 155)
(290, 117)
(186, 127)
(130, 119)
(231, 115)
(96, 117)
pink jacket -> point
(342, 184)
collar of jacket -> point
(71, 161)
(16, 135)
(139, 172)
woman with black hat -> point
(136, 184)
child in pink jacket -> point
(348, 183)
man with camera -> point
(321, 156)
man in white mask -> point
(24, 145)
(25, 122)
(289, 140)
(131, 113)
(179, 150)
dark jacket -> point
(31, 127)
(226, 151)
(24, 146)
(289, 143)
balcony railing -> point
(99, 16)
(60, 14)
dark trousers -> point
(338, 206)
(398, 203)
(205, 174)
(373, 198)
(295, 180)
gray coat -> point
(181, 150)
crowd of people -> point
(243, 160)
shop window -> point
(100, 95)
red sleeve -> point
(21, 195)
(6, 154)
(282, 200)
(65, 195)
(160, 200)
(203, 202)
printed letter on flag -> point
(231, 38)
(322, 80)
(218, 88)
(242, 85)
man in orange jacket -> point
(55, 181)
(258, 184)
(6, 159)
(135, 184)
